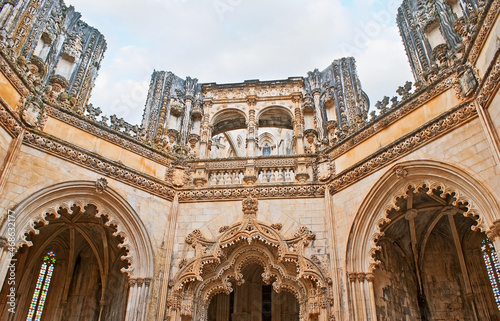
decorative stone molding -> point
(302, 191)
(494, 230)
(8, 121)
(100, 185)
(409, 104)
(439, 178)
(7, 68)
(491, 82)
(405, 145)
(107, 134)
(483, 33)
(120, 216)
(98, 164)
(400, 172)
(250, 206)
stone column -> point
(5, 256)
(133, 297)
(490, 132)
(186, 119)
(5, 11)
(370, 277)
(461, 259)
(352, 282)
(362, 294)
(298, 124)
(10, 160)
(169, 245)
(332, 236)
(138, 299)
(222, 308)
(252, 134)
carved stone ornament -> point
(218, 265)
(325, 170)
(100, 185)
(32, 114)
(400, 172)
(250, 206)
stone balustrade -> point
(260, 171)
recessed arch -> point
(45, 208)
(275, 116)
(109, 203)
(228, 119)
(372, 213)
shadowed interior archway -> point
(92, 227)
(417, 212)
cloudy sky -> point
(228, 41)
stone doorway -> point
(254, 300)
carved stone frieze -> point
(99, 164)
(107, 134)
(8, 121)
(483, 33)
(307, 191)
(417, 100)
(489, 84)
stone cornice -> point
(98, 164)
(405, 145)
(233, 194)
(490, 83)
(107, 134)
(7, 68)
(417, 100)
(8, 121)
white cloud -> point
(245, 39)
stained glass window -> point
(493, 267)
(42, 287)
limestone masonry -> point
(262, 200)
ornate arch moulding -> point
(48, 201)
(448, 179)
(218, 264)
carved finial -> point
(250, 206)
(100, 185)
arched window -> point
(42, 287)
(266, 150)
(492, 266)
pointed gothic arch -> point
(451, 188)
(35, 213)
(218, 266)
